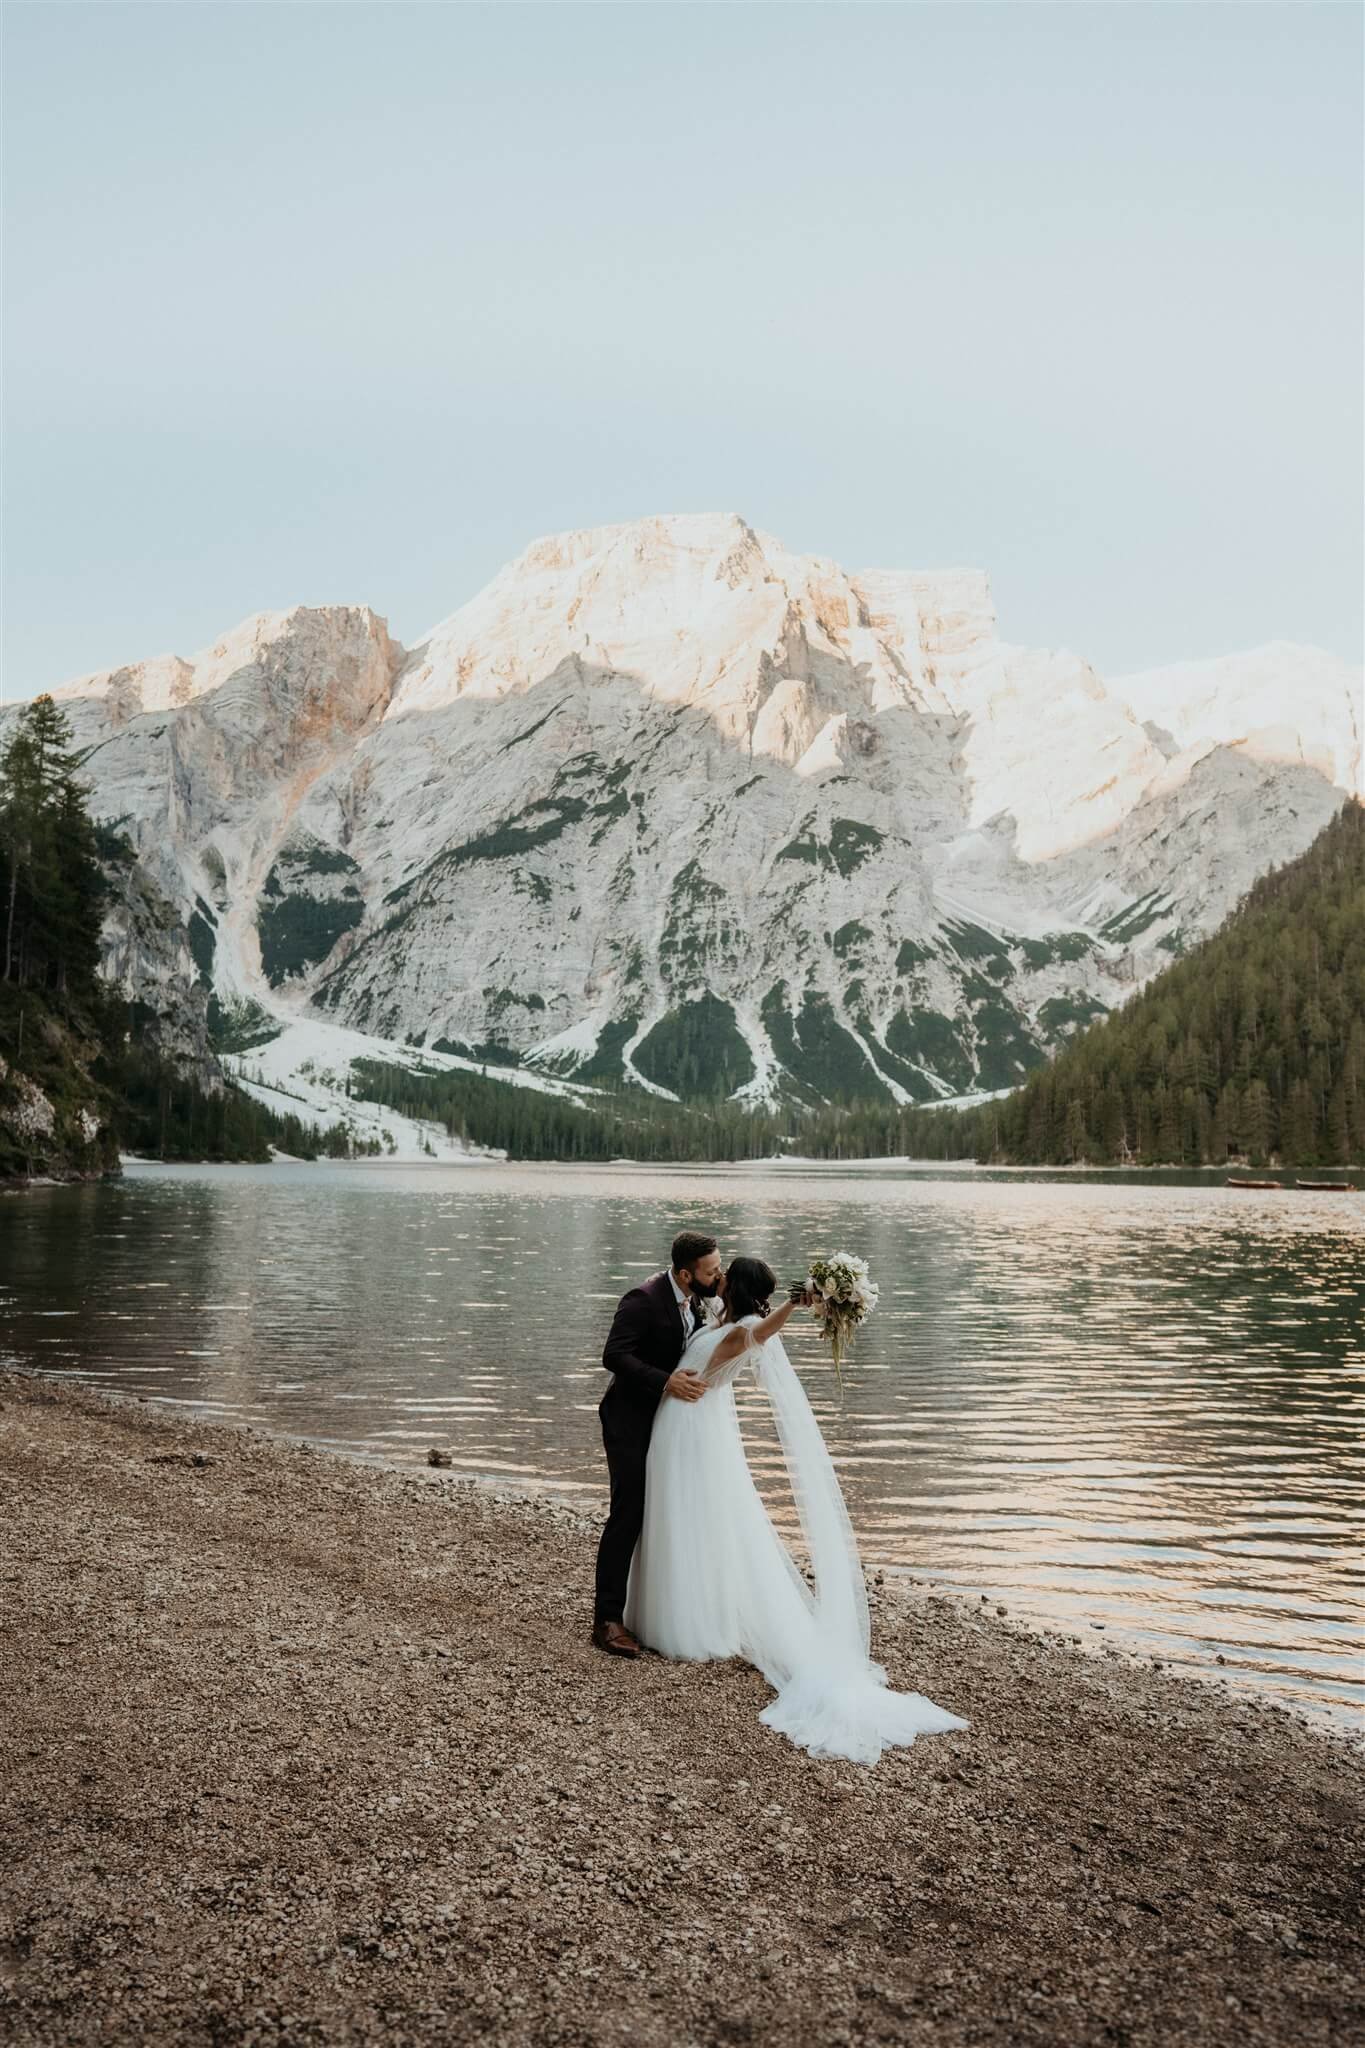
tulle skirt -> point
(711, 1577)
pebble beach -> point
(301, 1750)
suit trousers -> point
(625, 1437)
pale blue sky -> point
(322, 303)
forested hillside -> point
(81, 1071)
(1251, 1046)
(626, 1123)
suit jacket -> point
(643, 1347)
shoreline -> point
(311, 1748)
(891, 1584)
(788, 1165)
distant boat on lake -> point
(1342, 1187)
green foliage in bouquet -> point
(844, 1297)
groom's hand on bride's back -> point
(684, 1384)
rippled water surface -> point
(1102, 1401)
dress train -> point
(711, 1576)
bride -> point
(711, 1577)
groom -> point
(648, 1333)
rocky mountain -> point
(668, 804)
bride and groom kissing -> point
(690, 1564)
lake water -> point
(1118, 1401)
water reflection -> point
(1116, 1402)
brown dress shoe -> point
(614, 1639)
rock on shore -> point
(304, 1751)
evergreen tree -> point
(50, 878)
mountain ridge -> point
(664, 796)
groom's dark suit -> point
(643, 1347)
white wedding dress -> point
(711, 1577)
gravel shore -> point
(299, 1750)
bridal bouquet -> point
(844, 1297)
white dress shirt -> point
(684, 1303)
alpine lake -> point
(1128, 1403)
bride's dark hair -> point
(748, 1288)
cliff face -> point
(666, 801)
(55, 1121)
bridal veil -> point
(831, 1698)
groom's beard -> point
(709, 1290)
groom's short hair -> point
(688, 1247)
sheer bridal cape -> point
(711, 1577)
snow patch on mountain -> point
(1279, 703)
(307, 1069)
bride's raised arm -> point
(742, 1335)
